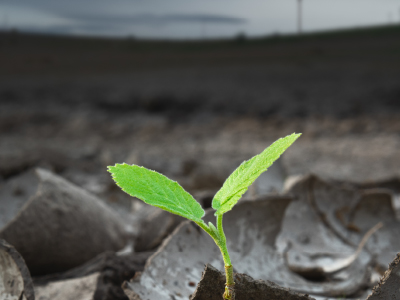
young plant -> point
(157, 190)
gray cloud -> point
(156, 19)
(125, 24)
(99, 11)
(87, 29)
(99, 16)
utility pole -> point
(299, 16)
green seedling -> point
(157, 190)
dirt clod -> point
(211, 287)
(389, 286)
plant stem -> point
(222, 242)
(229, 291)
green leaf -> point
(239, 181)
(157, 190)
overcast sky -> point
(191, 18)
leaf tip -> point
(297, 134)
(292, 137)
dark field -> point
(189, 103)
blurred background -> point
(191, 89)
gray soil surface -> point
(197, 124)
(194, 111)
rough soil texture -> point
(61, 226)
(212, 285)
(111, 269)
(15, 279)
(314, 223)
(251, 228)
(389, 286)
(79, 288)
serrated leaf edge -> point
(258, 156)
(159, 206)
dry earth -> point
(194, 111)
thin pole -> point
(299, 16)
